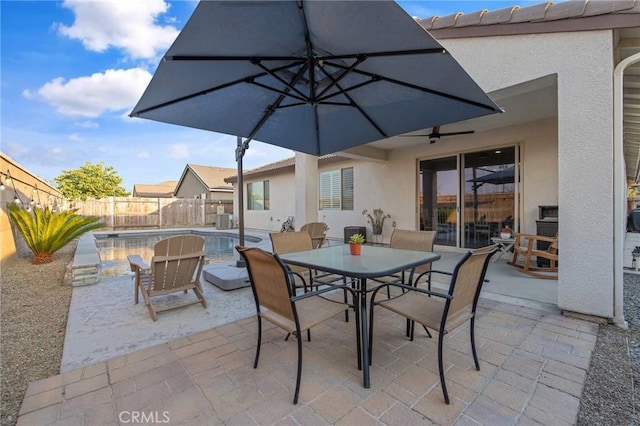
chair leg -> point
(150, 308)
(473, 342)
(441, 367)
(346, 313)
(356, 313)
(200, 296)
(255, 362)
(295, 396)
(136, 285)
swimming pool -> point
(114, 249)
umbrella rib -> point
(408, 52)
(247, 79)
(416, 87)
(335, 81)
(281, 92)
(277, 77)
(311, 67)
(297, 104)
(299, 58)
(348, 89)
(352, 102)
(272, 108)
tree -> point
(46, 232)
(90, 181)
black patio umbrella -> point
(496, 178)
(314, 76)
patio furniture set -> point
(294, 286)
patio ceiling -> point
(629, 44)
(523, 103)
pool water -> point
(114, 251)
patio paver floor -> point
(533, 367)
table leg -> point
(364, 333)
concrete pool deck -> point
(104, 322)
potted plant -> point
(505, 233)
(376, 220)
(355, 243)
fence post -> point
(112, 213)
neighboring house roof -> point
(155, 190)
(212, 178)
(281, 166)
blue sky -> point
(71, 71)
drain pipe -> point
(619, 190)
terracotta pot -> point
(355, 249)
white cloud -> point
(76, 138)
(129, 25)
(87, 124)
(143, 154)
(113, 90)
(179, 152)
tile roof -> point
(543, 12)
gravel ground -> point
(34, 308)
(611, 394)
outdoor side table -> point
(506, 244)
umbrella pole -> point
(240, 150)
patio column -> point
(306, 189)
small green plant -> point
(357, 239)
(376, 219)
(46, 232)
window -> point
(258, 195)
(336, 189)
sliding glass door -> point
(438, 199)
(468, 198)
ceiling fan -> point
(435, 134)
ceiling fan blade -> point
(466, 132)
(414, 136)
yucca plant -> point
(46, 232)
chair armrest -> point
(410, 288)
(330, 287)
(537, 238)
(136, 263)
(432, 271)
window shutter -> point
(347, 189)
(330, 190)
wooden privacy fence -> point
(135, 213)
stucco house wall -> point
(281, 203)
(583, 62)
(566, 160)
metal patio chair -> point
(276, 301)
(441, 311)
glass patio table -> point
(373, 262)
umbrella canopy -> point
(496, 178)
(313, 76)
